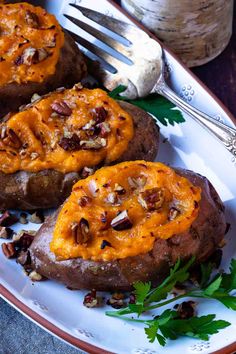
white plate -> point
(60, 310)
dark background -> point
(21, 336)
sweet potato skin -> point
(49, 188)
(70, 69)
(201, 240)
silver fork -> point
(135, 60)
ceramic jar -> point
(196, 30)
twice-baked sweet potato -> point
(65, 136)
(37, 56)
(128, 223)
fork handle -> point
(223, 132)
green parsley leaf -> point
(141, 291)
(158, 106)
(206, 270)
(115, 94)
(177, 274)
(197, 327)
(213, 286)
(226, 299)
(151, 331)
(229, 280)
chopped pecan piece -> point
(104, 129)
(84, 200)
(91, 300)
(112, 198)
(61, 107)
(70, 144)
(93, 144)
(81, 231)
(87, 171)
(24, 242)
(32, 19)
(10, 138)
(78, 86)
(173, 213)
(34, 276)
(116, 301)
(138, 182)
(8, 219)
(32, 56)
(37, 217)
(104, 244)
(119, 189)
(186, 309)
(5, 232)
(9, 250)
(151, 199)
(100, 114)
(121, 222)
(24, 259)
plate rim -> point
(45, 323)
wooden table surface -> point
(19, 335)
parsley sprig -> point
(168, 325)
(158, 106)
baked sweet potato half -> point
(37, 56)
(65, 136)
(126, 223)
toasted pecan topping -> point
(152, 199)
(8, 219)
(121, 221)
(70, 144)
(173, 213)
(9, 250)
(100, 114)
(61, 107)
(10, 138)
(81, 231)
(31, 19)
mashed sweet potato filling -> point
(65, 131)
(120, 210)
(30, 41)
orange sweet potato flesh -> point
(37, 56)
(159, 204)
(39, 162)
(201, 239)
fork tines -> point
(111, 53)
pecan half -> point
(10, 138)
(70, 144)
(9, 250)
(61, 107)
(31, 19)
(8, 219)
(151, 199)
(121, 222)
(81, 231)
(100, 114)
